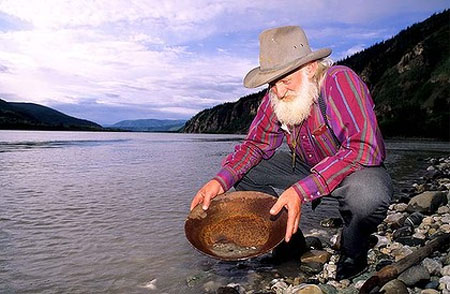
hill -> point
(408, 75)
(31, 116)
(150, 125)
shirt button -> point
(303, 137)
(309, 155)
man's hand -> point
(291, 201)
(206, 193)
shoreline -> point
(412, 221)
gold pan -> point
(236, 226)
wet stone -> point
(227, 290)
(332, 222)
(427, 202)
(414, 275)
(410, 241)
(316, 256)
(403, 231)
(429, 291)
(432, 285)
(313, 243)
(433, 267)
(311, 267)
(394, 287)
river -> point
(84, 212)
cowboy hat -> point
(282, 50)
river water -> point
(88, 212)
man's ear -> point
(311, 69)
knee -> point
(368, 199)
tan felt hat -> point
(282, 50)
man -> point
(326, 115)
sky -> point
(113, 60)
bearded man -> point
(326, 114)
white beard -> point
(295, 111)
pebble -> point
(395, 286)
(429, 291)
(433, 267)
(443, 210)
(414, 275)
(445, 271)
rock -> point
(403, 231)
(420, 235)
(394, 287)
(395, 220)
(317, 256)
(328, 289)
(447, 259)
(400, 253)
(445, 271)
(414, 275)
(427, 202)
(332, 222)
(410, 241)
(414, 219)
(211, 287)
(445, 228)
(311, 267)
(313, 243)
(400, 207)
(227, 290)
(359, 284)
(382, 241)
(336, 241)
(433, 267)
(279, 286)
(429, 291)
(444, 282)
(445, 219)
(304, 289)
(329, 271)
(432, 285)
(443, 210)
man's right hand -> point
(206, 193)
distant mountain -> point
(150, 125)
(408, 75)
(30, 116)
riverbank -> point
(417, 216)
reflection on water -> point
(104, 212)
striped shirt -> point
(350, 115)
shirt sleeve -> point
(352, 119)
(263, 138)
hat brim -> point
(257, 77)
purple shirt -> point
(351, 116)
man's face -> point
(286, 88)
(292, 96)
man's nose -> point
(280, 90)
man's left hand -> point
(291, 201)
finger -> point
(197, 199)
(276, 208)
(290, 225)
(206, 202)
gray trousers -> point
(363, 197)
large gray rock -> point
(394, 287)
(414, 275)
(427, 202)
